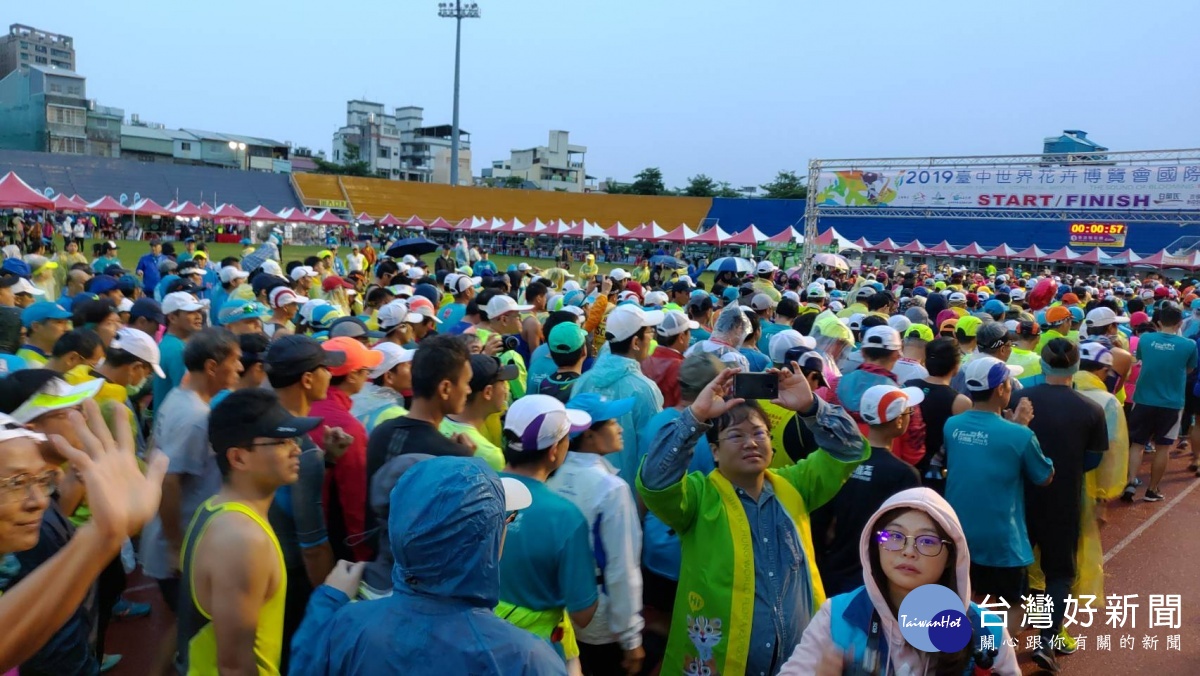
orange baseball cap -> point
(358, 356)
(1057, 315)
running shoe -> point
(1130, 490)
(1152, 496)
(108, 662)
(1066, 643)
(1044, 658)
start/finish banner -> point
(1077, 188)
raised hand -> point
(794, 391)
(335, 441)
(711, 402)
(346, 576)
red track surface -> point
(1156, 559)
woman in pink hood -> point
(839, 639)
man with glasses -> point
(234, 575)
(346, 482)
(838, 525)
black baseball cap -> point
(294, 355)
(486, 369)
(352, 327)
(809, 360)
(183, 285)
(249, 414)
(148, 308)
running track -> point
(1149, 548)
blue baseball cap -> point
(102, 284)
(128, 283)
(995, 308)
(245, 241)
(236, 310)
(986, 373)
(730, 294)
(17, 267)
(599, 408)
(41, 311)
(1196, 304)
(1076, 313)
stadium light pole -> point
(458, 11)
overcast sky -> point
(737, 90)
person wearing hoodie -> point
(438, 619)
(913, 539)
(618, 375)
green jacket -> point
(716, 578)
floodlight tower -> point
(458, 11)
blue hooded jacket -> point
(617, 377)
(446, 523)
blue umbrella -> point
(731, 264)
(667, 261)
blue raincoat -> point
(446, 524)
(617, 377)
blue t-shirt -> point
(758, 361)
(769, 329)
(988, 461)
(452, 314)
(660, 545)
(10, 363)
(1166, 358)
(698, 335)
(171, 359)
(540, 572)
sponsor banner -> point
(1067, 188)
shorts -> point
(171, 588)
(1153, 424)
(1000, 583)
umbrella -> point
(830, 260)
(731, 264)
(414, 246)
(667, 261)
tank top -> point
(197, 639)
(935, 410)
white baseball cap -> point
(1094, 351)
(125, 305)
(394, 314)
(393, 355)
(271, 268)
(674, 323)
(986, 373)
(884, 337)
(457, 283)
(815, 290)
(958, 297)
(785, 340)
(766, 267)
(1103, 316)
(11, 429)
(656, 299)
(182, 300)
(423, 308)
(230, 273)
(626, 320)
(536, 422)
(884, 403)
(139, 344)
(501, 304)
(282, 295)
(761, 301)
(23, 286)
(618, 274)
(301, 271)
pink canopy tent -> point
(942, 249)
(171, 206)
(1126, 257)
(1002, 251)
(786, 236)
(148, 207)
(641, 232)
(206, 210)
(17, 194)
(390, 221)
(833, 237)
(261, 213)
(187, 210)
(913, 247)
(862, 243)
(748, 237)
(1063, 255)
(1033, 253)
(511, 226)
(972, 250)
(64, 203)
(327, 217)
(616, 230)
(292, 215)
(1163, 260)
(229, 214)
(440, 223)
(714, 235)
(1094, 257)
(679, 235)
(886, 245)
(576, 230)
(106, 205)
(365, 219)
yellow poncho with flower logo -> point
(715, 598)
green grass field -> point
(131, 251)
